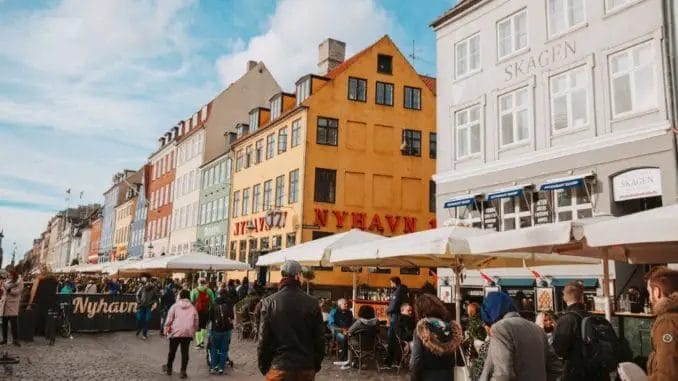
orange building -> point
(352, 148)
(160, 194)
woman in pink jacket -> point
(180, 326)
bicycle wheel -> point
(65, 328)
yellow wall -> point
(373, 177)
(124, 214)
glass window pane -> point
(508, 205)
(643, 55)
(521, 98)
(462, 117)
(565, 216)
(474, 53)
(645, 96)
(475, 114)
(505, 103)
(560, 112)
(620, 63)
(462, 142)
(576, 12)
(504, 37)
(520, 25)
(475, 138)
(564, 197)
(583, 195)
(579, 112)
(523, 127)
(525, 222)
(585, 213)
(622, 94)
(461, 59)
(509, 223)
(506, 129)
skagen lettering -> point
(549, 56)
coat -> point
(519, 351)
(182, 320)
(397, 298)
(11, 296)
(663, 362)
(436, 344)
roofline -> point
(225, 154)
(282, 93)
(462, 6)
(316, 76)
(285, 116)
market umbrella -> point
(194, 261)
(319, 251)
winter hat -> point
(495, 306)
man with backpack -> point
(587, 343)
(221, 317)
(203, 299)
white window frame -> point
(568, 94)
(236, 204)
(468, 126)
(511, 19)
(256, 196)
(568, 28)
(575, 207)
(303, 90)
(516, 214)
(245, 201)
(469, 71)
(276, 107)
(296, 133)
(625, 4)
(514, 111)
(630, 50)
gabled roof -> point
(430, 82)
(346, 64)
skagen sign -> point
(551, 55)
(637, 183)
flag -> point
(535, 274)
(486, 277)
(434, 274)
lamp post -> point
(150, 249)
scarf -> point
(288, 281)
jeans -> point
(342, 344)
(174, 343)
(15, 329)
(392, 339)
(219, 345)
(143, 317)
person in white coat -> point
(9, 306)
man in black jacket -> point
(399, 295)
(567, 340)
(291, 335)
(221, 316)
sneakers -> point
(144, 337)
(166, 370)
(229, 363)
(341, 363)
(214, 371)
(220, 372)
(345, 366)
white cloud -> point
(20, 226)
(289, 47)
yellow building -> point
(124, 214)
(352, 148)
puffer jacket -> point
(662, 364)
(291, 334)
(433, 353)
(182, 320)
(147, 296)
(11, 295)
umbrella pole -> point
(606, 285)
(355, 291)
(457, 293)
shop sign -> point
(275, 218)
(360, 220)
(490, 218)
(542, 212)
(259, 224)
(637, 183)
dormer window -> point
(276, 107)
(303, 90)
(195, 120)
(203, 113)
(254, 120)
(384, 64)
(241, 130)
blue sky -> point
(86, 87)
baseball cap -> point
(290, 268)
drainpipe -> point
(670, 41)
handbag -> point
(461, 371)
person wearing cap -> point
(518, 347)
(291, 335)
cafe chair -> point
(405, 353)
(629, 371)
(363, 346)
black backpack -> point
(221, 320)
(600, 344)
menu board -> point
(545, 299)
(542, 211)
(490, 218)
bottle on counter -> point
(647, 308)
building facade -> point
(552, 111)
(227, 110)
(95, 240)
(138, 230)
(354, 147)
(160, 188)
(108, 223)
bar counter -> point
(378, 305)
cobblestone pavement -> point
(122, 356)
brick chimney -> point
(250, 65)
(331, 53)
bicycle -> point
(63, 321)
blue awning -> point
(562, 282)
(565, 182)
(516, 282)
(516, 191)
(460, 201)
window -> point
(242, 252)
(512, 34)
(236, 203)
(248, 156)
(431, 196)
(564, 15)
(220, 209)
(515, 213)
(276, 107)
(611, 5)
(471, 214)
(467, 56)
(432, 145)
(270, 146)
(254, 120)
(570, 99)
(245, 201)
(412, 143)
(258, 151)
(384, 94)
(291, 239)
(412, 98)
(276, 242)
(220, 173)
(514, 117)
(282, 140)
(573, 203)
(296, 133)
(327, 131)
(240, 159)
(467, 124)
(279, 190)
(384, 64)
(357, 89)
(325, 183)
(633, 79)
(303, 90)
(293, 195)
(256, 197)
(268, 189)
(203, 214)
(211, 210)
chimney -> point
(331, 53)
(250, 65)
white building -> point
(552, 111)
(190, 147)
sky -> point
(87, 87)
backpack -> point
(221, 322)
(202, 302)
(600, 344)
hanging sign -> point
(637, 183)
(542, 212)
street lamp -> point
(150, 249)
